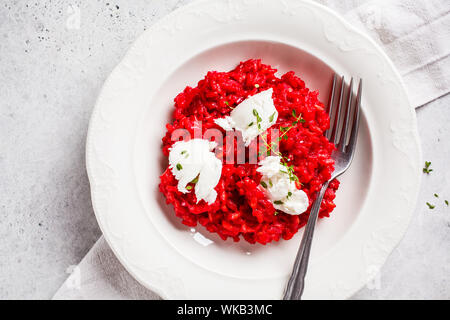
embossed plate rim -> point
(106, 176)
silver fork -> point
(344, 138)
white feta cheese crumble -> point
(244, 116)
(194, 160)
(280, 189)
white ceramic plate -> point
(124, 161)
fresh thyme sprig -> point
(427, 169)
(285, 130)
(289, 169)
(258, 118)
(228, 105)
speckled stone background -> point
(52, 66)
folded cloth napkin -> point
(101, 276)
(416, 36)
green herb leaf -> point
(294, 114)
(179, 166)
(278, 202)
(271, 184)
(258, 118)
(250, 124)
(263, 184)
(227, 103)
(288, 195)
(302, 120)
(195, 180)
(272, 117)
(430, 205)
(186, 154)
(262, 150)
(189, 187)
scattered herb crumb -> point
(263, 184)
(430, 205)
(179, 166)
(446, 202)
(427, 169)
(228, 105)
(278, 202)
(436, 195)
(189, 187)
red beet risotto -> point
(241, 208)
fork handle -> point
(296, 283)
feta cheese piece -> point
(194, 160)
(280, 189)
(252, 116)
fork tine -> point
(356, 119)
(345, 124)
(337, 117)
(333, 93)
(330, 105)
